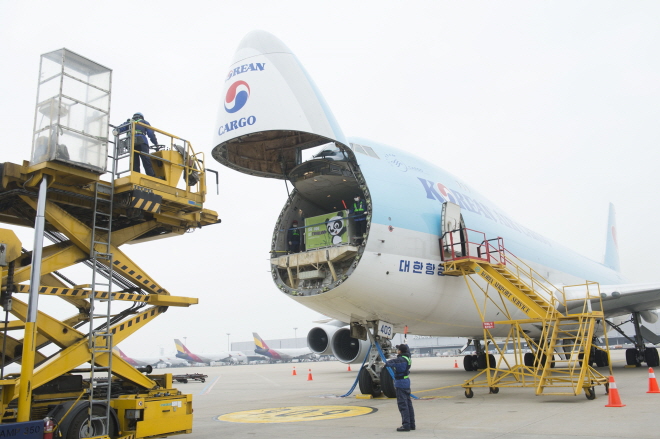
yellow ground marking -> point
(296, 414)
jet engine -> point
(319, 338)
(348, 349)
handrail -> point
(192, 163)
(530, 278)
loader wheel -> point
(80, 428)
(469, 393)
(589, 393)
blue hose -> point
(358, 375)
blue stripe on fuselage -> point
(408, 192)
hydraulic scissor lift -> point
(89, 214)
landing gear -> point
(469, 363)
(530, 359)
(387, 383)
(375, 378)
(632, 357)
(651, 355)
(367, 384)
(478, 361)
(640, 353)
(601, 358)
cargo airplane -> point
(286, 354)
(392, 272)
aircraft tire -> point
(491, 360)
(631, 357)
(529, 359)
(652, 359)
(481, 361)
(366, 383)
(601, 358)
(591, 358)
(467, 363)
(387, 383)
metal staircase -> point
(563, 353)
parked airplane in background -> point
(273, 112)
(152, 361)
(219, 357)
(286, 354)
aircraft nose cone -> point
(259, 42)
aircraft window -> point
(371, 152)
(366, 150)
(358, 148)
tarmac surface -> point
(283, 405)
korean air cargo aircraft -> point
(387, 269)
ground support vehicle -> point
(69, 371)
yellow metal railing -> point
(174, 161)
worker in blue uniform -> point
(141, 144)
(401, 368)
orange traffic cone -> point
(653, 383)
(309, 375)
(455, 364)
(294, 371)
(349, 367)
(613, 395)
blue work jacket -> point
(401, 368)
(141, 132)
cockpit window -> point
(366, 150)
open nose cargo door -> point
(271, 111)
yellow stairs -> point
(506, 283)
(540, 302)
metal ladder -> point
(100, 336)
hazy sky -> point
(550, 109)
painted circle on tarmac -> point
(296, 414)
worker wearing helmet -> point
(141, 144)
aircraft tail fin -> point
(258, 341)
(180, 347)
(612, 245)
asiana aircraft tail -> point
(358, 237)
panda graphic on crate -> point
(336, 227)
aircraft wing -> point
(625, 299)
